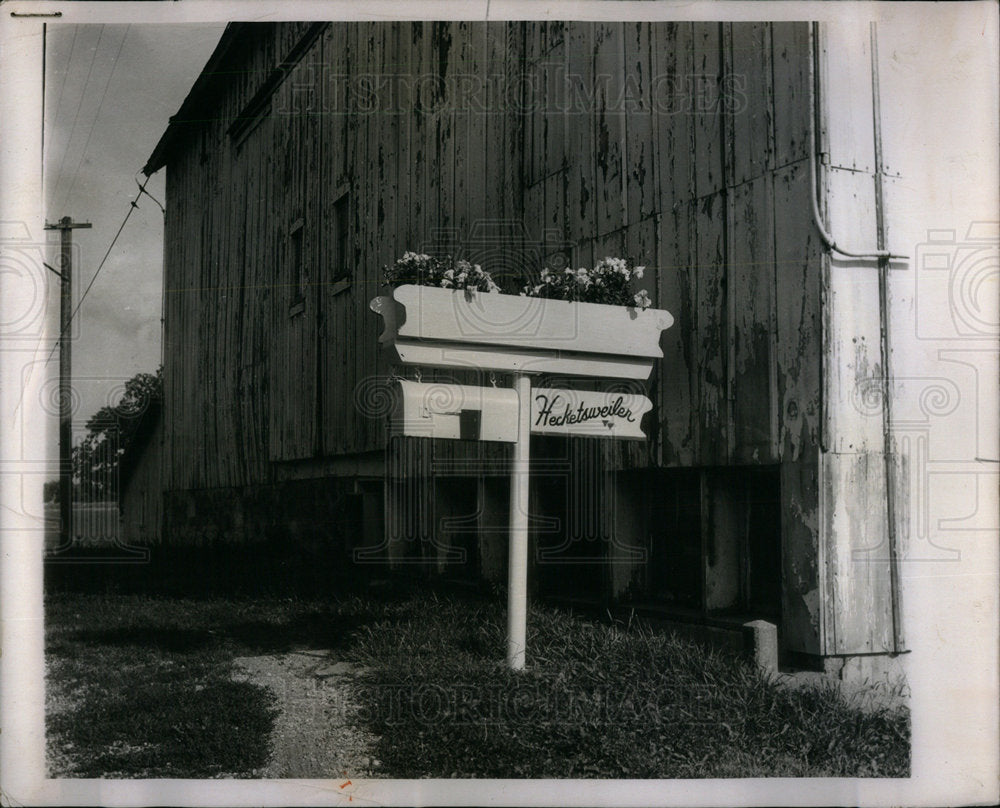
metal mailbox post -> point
(474, 330)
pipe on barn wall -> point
(883, 301)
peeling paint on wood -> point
(682, 145)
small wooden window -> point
(297, 275)
(341, 259)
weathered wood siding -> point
(268, 358)
(683, 146)
(680, 145)
(141, 497)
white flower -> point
(641, 299)
(638, 271)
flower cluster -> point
(610, 282)
(424, 270)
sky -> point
(109, 93)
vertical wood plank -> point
(790, 68)
(478, 120)
(750, 100)
(402, 92)
(552, 89)
(609, 127)
(710, 271)
(672, 49)
(751, 283)
(554, 222)
(804, 600)
(798, 259)
(637, 111)
(334, 314)
(847, 97)
(580, 187)
(676, 280)
(513, 145)
(707, 119)
(858, 588)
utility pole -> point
(66, 226)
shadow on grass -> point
(147, 680)
(313, 630)
(168, 729)
(171, 640)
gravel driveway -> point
(314, 735)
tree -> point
(109, 432)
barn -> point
(728, 158)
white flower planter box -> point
(425, 325)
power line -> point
(142, 190)
(76, 115)
(62, 87)
(132, 206)
(97, 115)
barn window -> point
(341, 276)
(297, 275)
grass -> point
(142, 687)
(147, 692)
(601, 701)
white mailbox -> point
(454, 411)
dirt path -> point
(314, 734)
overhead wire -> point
(142, 190)
(62, 87)
(97, 115)
(79, 105)
(132, 206)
